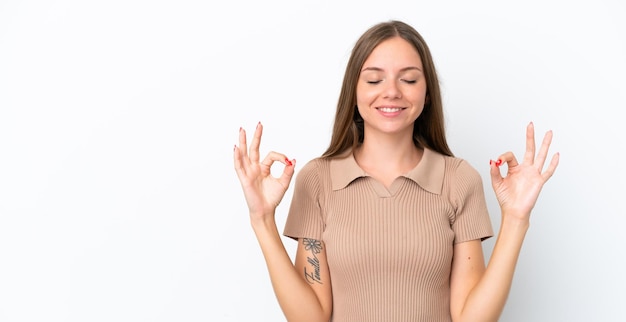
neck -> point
(391, 154)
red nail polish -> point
(287, 161)
(498, 163)
(490, 162)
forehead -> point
(393, 53)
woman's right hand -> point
(262, 191)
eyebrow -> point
(378, 69)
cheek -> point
(418, 99)
(417, 96)
(365, 96)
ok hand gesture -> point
(517, 193)
(262, 191)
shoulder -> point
(313, 173)
(460, 169)
(461, 179)
(313, 168)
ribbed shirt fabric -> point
(389, 251)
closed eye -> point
(374, 82)
(409, 81)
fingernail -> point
(490, 162)
(498, 163)
(257, 125)
(287, 161)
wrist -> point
(262, 221)
(515, 220)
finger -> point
(269, 160)
(238, 164)
(508, 158)
(243, 147)
(494, 171)
(543, 151)
(288, 172)
(529, 156)
(256, 142)
(551, 167)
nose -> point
(392, 90)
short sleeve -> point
(471, 219)
(305, 218)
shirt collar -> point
(428, 173)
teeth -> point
(390, 109)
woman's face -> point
(391, 89)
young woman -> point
(389, 223)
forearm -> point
(487, 299)
(295, 297)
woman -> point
(389, 223)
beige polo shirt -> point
(389, 250)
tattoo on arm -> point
(315, 247)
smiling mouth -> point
(390, 109)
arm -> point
(479, 293)
(304, 290)
(297, 298)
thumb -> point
(285, 177)
(494, 171)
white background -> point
(118, 199)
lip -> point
(390, 110)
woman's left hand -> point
(518, 191)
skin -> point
(299, 299)
(391, 78)
(391, 92)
